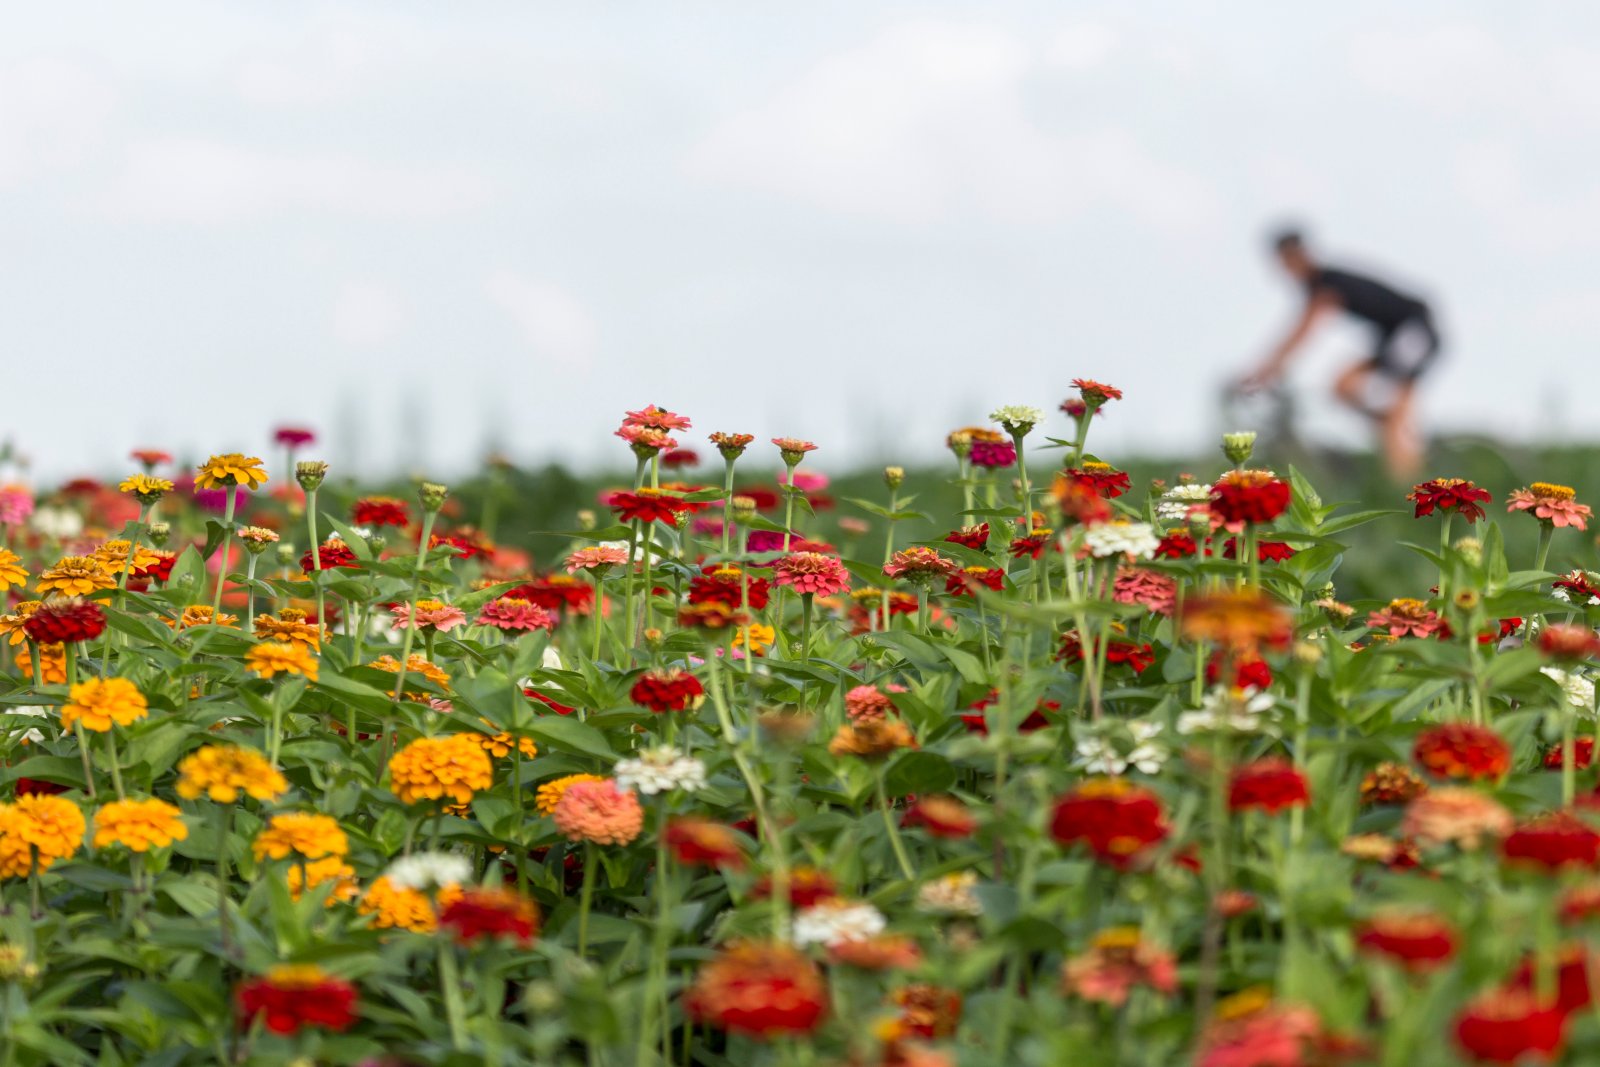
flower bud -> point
(744, 508)
(1307, 653)
(960, 443)
(654, 637)
(285, 553)
(1466, 599)
(586, 519)
(1470, 549)
(894, 477)
(257, 539)
(432, 495)
(159, 532)
(377, 542)
(1238, 446)
(310, 473)
(542, 997)
(15, 965)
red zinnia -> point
(1462, 750)
(1270, 784)
(672, 689)
(1502, 1026)
(1176, 545)
(1449, 494)
(1032, 545)
(1241, 497)
(1249, 671)
(807, 886)
(1569, 642)
(724, 584)
(330, 554)
(703, 843)
(648, 505)
(1582, 754)
(1114, 818)
(559, 709)
(1133, 653)
(969, 580)
(975, 537)
(294, 997)
(1553, 841)
(557, 592)
(491, 913)
(1572, 978)
(1417, 941)
(762, 990)
(1103, 478)
(1095, 393)
(381, 511)
(942, 817)
(1266, 551)
(65, 619)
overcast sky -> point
(419, 227)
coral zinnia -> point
(229, 469)
(596, 557)
(65, 619)
(453, 767)
(599, 812)
(1455, 815)
(1248, 496)
(1449, 494)
(296, 997)
(1407, 617)
(872, 740)
(668, 689)
(1462, 750)
(1117, 820)
(491, 914)
(1270, 784)
(920, 565)
(656, 418)
(1118, 960)
(1243, 619)
(943, 817)
(428, 615)
(759, 990)
(100, 703)
(1563, 641)
(1552, 505)
(1094, 393)
(513, 615)
(811, 572)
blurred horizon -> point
(427, 232)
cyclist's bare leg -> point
(1350, 388)
(1402, 442)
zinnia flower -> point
(1248, 496)
(697, 842)
(381, 511)
(400, 907)
(65, 620)
(793, 449)
(599, 812)
(874, 739)
(1104, 479)
(11, 570)
(229, 469)
(429, 870)
(1117, 820)
(1552, 505)
(296, 997)
(1556, 840)
(269, 658)
(1124, 540)
(731, 445)
(100, 703)
(648, 505)
(596, 557)
(1462, 750)
(1455, 815)
(811, 572)
(491, 914)
(667, 689)
(1269, 784)
(656, 418)
(1391, 783)
(944, 817)
(139, 825)
(660, 770)
(330, 554)
(1405, 617)
(1242, 619)
(304, 835)
(454, 767)
(1093, 393)
(837, 919)
(1119, 960)
(919, 565)
(758, 990)
(1449, 494)
(1504, 1026)
(36, 831)
(428, 615)
(75, 576)
(222, 772)
(1417, 941)
(513, 615)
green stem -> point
(227, 550)
(411, 633)
(893, 831)
(316, 551)
(450, 980)
(116, 770)
(1026, 491)
(586, 896)
(727, 505)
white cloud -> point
(366, 315)
(188, 179)
(930, 120)
(551, 319)
(53, 115)
(1082, 46)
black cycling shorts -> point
(1406, 350)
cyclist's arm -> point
(1320, 303)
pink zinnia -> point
(429, 613)
(919, 564)
(1407, 617)
(1156, 591)
(587, 559)
(656, 418)
(867, 703)
(514, 614)
(646, 437)
(793, 446)
(811, 572)
(294, 436)
(1552, 504)
(808, 481)
(599, 812)
(1275, 1035)
(16, 504)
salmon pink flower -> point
(1551, 504)
(1118, 961)
(656, 418)
(811, 572)
(512, 615)
(428, 615)
(596, 557)
(920, 565)
(1406, 617)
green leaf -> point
(919, 772)
(568, 734)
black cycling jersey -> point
(1366, 298)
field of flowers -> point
(729, 771)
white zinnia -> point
(1135, 539)
(423, 871)
(1578, 689)
(1175, 503)
(661, 770)
(59, 523)
(833, 921)
(951, 895)
(1018, 415)
(32, 735)
(1225, 709)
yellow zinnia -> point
(11, 625)
(100, 703)
(113, 556)
(52, 663)
(11, 572)
(148, 489)
(329, 869)
(47, 827)
(276, 657)
(139, 825)
(291, 630)
(432, 768)
(201, 615)
(397, 907)
(230, 468)
(499, 745)
(222, 772)
(75, 576)
(305, 835)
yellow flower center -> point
(1551, 491)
